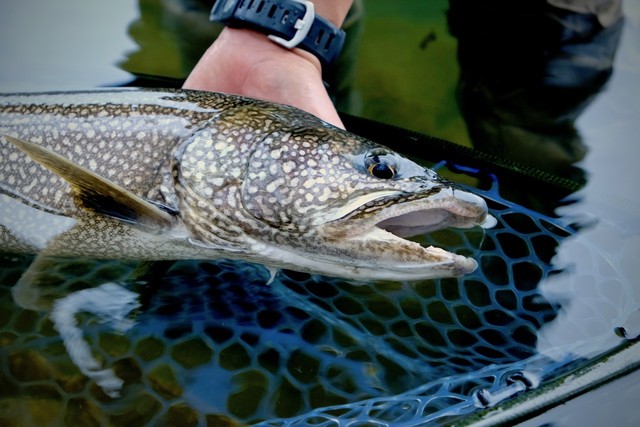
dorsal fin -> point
(97, 193)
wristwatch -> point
(290, 23)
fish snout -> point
(470, 207)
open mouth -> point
(389, 220)
(460, 210)
(417, 222)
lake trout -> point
(170, 174)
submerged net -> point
(212, 344)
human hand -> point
(245, 62)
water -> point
(212, 345)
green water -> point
(407, 70)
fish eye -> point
(380, 169)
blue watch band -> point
(290, 23)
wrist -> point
(246, 63)
(289, 23)
(249, 50)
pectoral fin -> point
(97, 193)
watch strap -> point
(290, 23)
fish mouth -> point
(378, 230)
(450, 208)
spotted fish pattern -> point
(210, 345)
(159, 174)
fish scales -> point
(127, 142)
(173, 174)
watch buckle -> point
(302, 27)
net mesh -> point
(213, 345)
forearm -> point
(246, 62)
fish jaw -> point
(400, 259)
(376, 241)
(432, 263)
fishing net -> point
(209, 343)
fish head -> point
(346, 205)
(261, 182)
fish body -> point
(171, 174)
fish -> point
(169, 174)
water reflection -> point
(112, 304)
(528, 70)
(171, 35)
